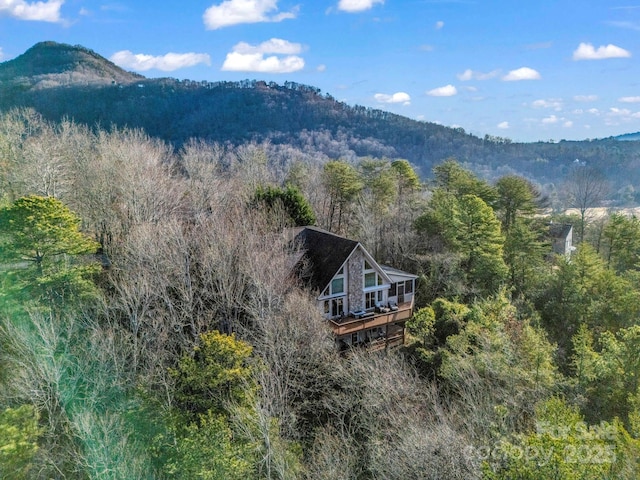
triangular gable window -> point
(372, 277)
(337, 285)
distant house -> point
(561, 235)
(366, 303)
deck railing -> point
(347, 325)
(394, 340)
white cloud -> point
(623, 112)
(619, 111)
(554, 103)
(617, 116)
(503, 125)
(524, 73)
(594, 111)
(469, 74)
(554, 120)
(628, 25)
(446, 91)
(273, 45)
(256, 62)
(1, 54)
(251, 58)
(353, 6)
(398, 97)
(166, 63)
(466, 75)
(321, 68)
(587, 51)
(585, 98)
(427, 48)
(439, 25)
(629, 99)
(48, 11)
(234, 12)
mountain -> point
(50, 64)
(64, 81)
(627, 137)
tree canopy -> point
(41, 247)
(291, 200)
(40, 230)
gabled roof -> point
(560, 230)
(325, 252)
(394, 272)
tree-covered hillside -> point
(125, 263)
(289, 114)
(50, 64)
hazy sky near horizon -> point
(524, 70)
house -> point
(366, 303)
(561, 235)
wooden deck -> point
(395, 338)
(347, 325)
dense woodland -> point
(65, 82)
(123, 260)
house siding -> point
(355, 275)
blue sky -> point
(549, 69)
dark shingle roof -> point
(559, 230)
(324, 253)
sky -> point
(524, 70)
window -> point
(392, 290)
(337, 285)
(370, 300)
(334, 307)
(408, 286)
(371, 277)
(337, 306)
(370, 280)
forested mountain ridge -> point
(50, 65)
(628, 137)
(63, 81)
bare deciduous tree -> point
(74, 372)
(395, 424)
(586, 187)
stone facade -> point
(355, 269)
